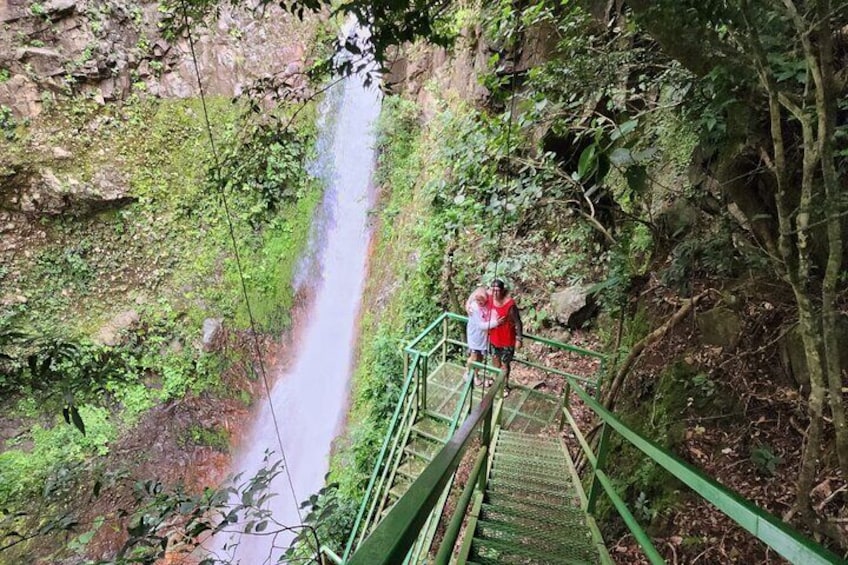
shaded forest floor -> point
(732, 411)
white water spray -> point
(311, 400)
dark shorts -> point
(505, 354)
(481, 352)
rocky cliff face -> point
(63, 57)
(106, 50)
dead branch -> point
(686, 307)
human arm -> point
(478, 319)
(493, 323)
(515, 318)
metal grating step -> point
(432, 427)
(538, 465)
(533, 516)
(547, 538)
(506, 500)
(496, 552)
(519, 490)
(423, 448)
(411, 467)
(536, 480)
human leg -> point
(473, 356)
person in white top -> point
(477, 330)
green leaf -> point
(77, 420)
(624, 129)
(587, 163)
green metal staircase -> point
(530, 512)
(523, 502)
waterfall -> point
(311, 399)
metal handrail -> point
(531, 337)
(389, 433)
(769, 529)
(412, 344)
(455, 525)
(391, 540)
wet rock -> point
(213, 329)
(60, 7)
(112, 333)
(21, 95)
(719, 326)
(677, 219)
(573, 306)
(42, 61)
(50, 194)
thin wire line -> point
(231, 228)
(507, 175)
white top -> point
(478, 327)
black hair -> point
(498, 283)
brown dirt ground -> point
(768, 409)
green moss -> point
(271, 268)
(45, 450)
(167, 255)
(216, 438)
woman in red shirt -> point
(508, 336)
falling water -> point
(310, 400)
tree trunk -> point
(826, 109)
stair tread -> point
(551, 538)
(563, 516)
(507, 501)
(512, 475)
(509, 554)
(531, 458)
(519, 489)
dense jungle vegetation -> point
(111, 385)
(685, 161)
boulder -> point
(794, 358)
(51, 194)
(44, 62)
(719, 326)
(212, 331)
(111, 333)
(21, 95)
(677, 219)
(60, 7)
(573, 306)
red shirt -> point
(504, 334)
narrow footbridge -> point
(523, 500)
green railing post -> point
(564, 405)
(425, 372)
(487, 442)
(600, 379)
(406, 355)
(445, 340)
(408, 380)
(599, 466)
